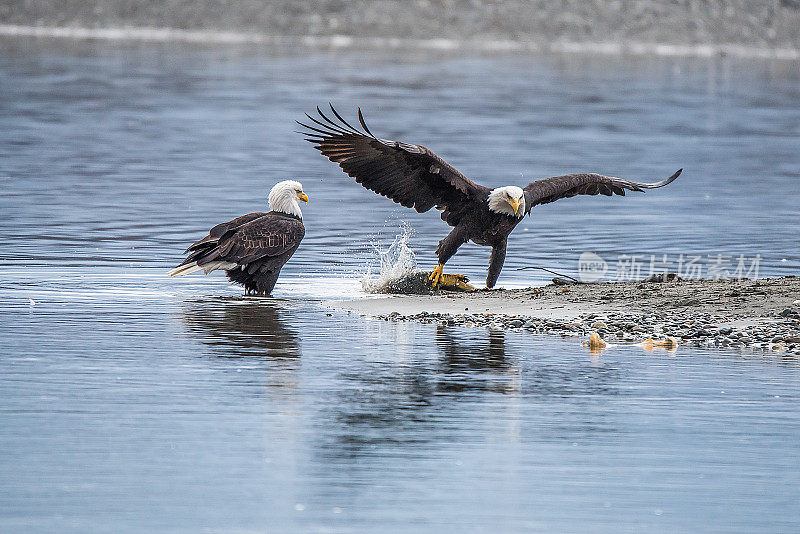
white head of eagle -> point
(284, 195)
(508, 200)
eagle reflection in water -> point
(483, 357)
(241, 328)
(475, 366)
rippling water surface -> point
(133, 402)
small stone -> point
(595, 342)
(669, 343)
(599, 325)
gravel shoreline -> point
(692, 26)
(755, 314)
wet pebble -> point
(698, 329)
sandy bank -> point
(731, 300)
(761, 313)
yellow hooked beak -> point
(302, 196)
(514, 204)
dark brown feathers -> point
(263, 238)
(411, 175)
(569, 185)
(264, 235)
(219, 230)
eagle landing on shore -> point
(253, 248)
(415, 177)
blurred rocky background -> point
(758, 23)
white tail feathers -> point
(183, 270)
(190, 268)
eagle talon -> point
(436, 275)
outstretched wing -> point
(569, 185)
(411, 175)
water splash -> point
(394, 263)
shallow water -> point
(131, 401)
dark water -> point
(133, 402)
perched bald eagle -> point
(415, 177)
(253, 248)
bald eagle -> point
(253, 248)
(415, 177)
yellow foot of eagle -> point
(436, 274)
(457, 282)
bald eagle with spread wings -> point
(252, 249)
(415, 177)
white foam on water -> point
(346, 41)
(35, 286)
(316, 288)
(391, 264)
